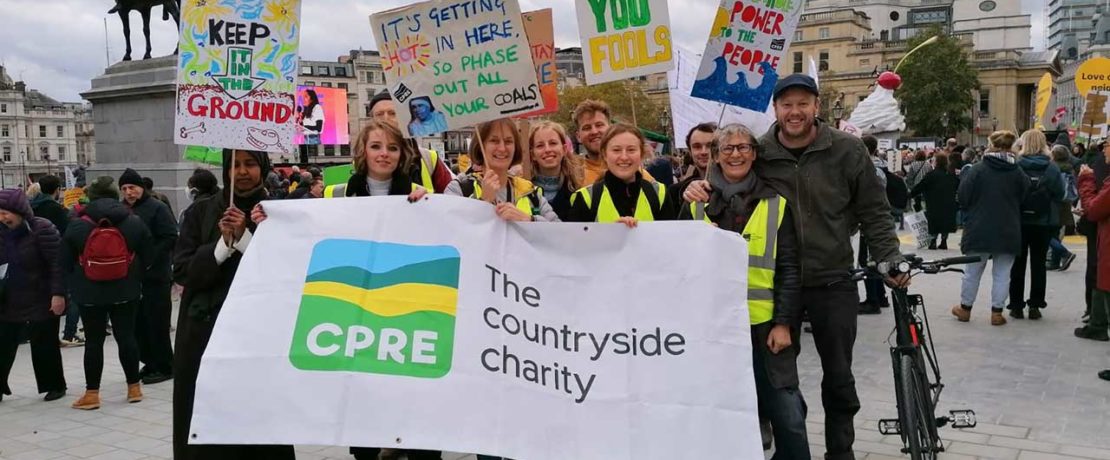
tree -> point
(937, 86)
(621, 96)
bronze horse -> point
(170, 8)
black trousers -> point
(152, 328)
(1091, 277)
(1034, 248)
(46, 355)
(876, 293)
(95, 318)
(832, 315)
(371, 453)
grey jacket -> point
(838, 190)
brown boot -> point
(962, 314)
(997, 319)
(134, 392)
(89, 401)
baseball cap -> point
(796, 81)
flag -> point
(813, 71)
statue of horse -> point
(170, 8)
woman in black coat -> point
(213, 238)
(939, 190)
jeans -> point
(152, 328)
(73, 315)
(832, 314)
(1100, 310)
(123, 328)
(46, 356)
(780, 400)
(1000, 280)
(1034, 248)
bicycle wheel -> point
(909, 423)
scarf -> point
(549, 184)
(733, 196)
(1008, 157)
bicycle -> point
(917, 387)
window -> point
(61, 131)
(4, 131)
(984, 102)
(798, 36)
(823, 32)
(823, 61)
(61, 153)
(42, 130)
(797, 62)
(309, 83)
(3, 108)
(323, 70)
(341, 71)
(345, 150)
(864, 62)
(369, 76)
(306, 70)
(325, 84)
(7, 153)
(44, 152)
(329, 150)
(341, 85)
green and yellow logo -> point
(379, 308)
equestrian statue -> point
(170, 8)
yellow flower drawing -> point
(281, 13)
(197, 12)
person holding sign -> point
(430, 171)
(744, 204)
(555, 168)
(213, 238)
(623, 194)
(499, 148)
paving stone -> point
(1023, 444)
(1085, 452)
(1030, 455)
(984, 451)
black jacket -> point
(624, 196)
(1042, 166)
(939, 189)
(34, 275)
(832, 189)
(50, 209)
(139, 241)
(990, 196)
(163, 229)
(788, 269)
(357, 185)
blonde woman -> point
(1040, 215)
(555, 170)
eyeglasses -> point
(729, 149)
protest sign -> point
(623, 39)
(322, 116)
(383, 330)
(72, 196)
(541, 38)
(688, 112)
(206, 155)
(455, 63)
(746, 44)
(919, 225)
(338, 174)
(236, 73)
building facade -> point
(1069, 23)
(38, 135)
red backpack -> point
(106, 257)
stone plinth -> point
(133, 111)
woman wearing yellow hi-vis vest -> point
(741, 203)
(623, 194)
(514, 198)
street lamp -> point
(665, 124)
(944, 124)
(838, 112)
(994, 121)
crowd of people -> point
(797, 194)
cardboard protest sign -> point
(688, 112)
(541, 38)
(72, 196)
(747, 42)
(236, 74)
(624, 38)
(455, 63)
(383, 329)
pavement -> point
(1031, 383)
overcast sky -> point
(57, 46)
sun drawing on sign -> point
(406, 56)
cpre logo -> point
(380, 308)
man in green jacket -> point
(828, 178)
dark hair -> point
(622, 128)
(204, 181)
(941, 161)
(872, 144)
(919, 155)
(49, 184)
(148, 183)
(314, 100)
(431, 107)
(707, 127)
(484, 130)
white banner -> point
(435, 325)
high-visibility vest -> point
(761, 231)
(426, 170)
(340, 190)
(607, 211)
(524, 202)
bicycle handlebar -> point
(912, 262)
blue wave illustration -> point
(716, 87)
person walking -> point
(916, 172)
(827, 175)
(555, 169)
(938, 188)
(1096, 208)
(32, 293)
(742, 203)
(105, 252)
(214, 236)
(152, 327)
(1040, 216)
(990, 196)
(623, 194)
(1062, 258)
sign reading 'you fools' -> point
(455, 63)
(236, 74)
(746, 44)
(624, 38)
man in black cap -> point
(152, 327)
(840, 190)
(431, 173)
